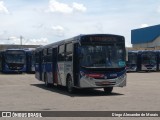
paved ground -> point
(24, 93)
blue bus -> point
(132, 63)
(1, 60)
(158, 59)
(148, 60)
(13, 60)
(84, 61)
(30, 58)
(144, 60)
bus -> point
(148, 60)
(84, 61)
(30, 58)
(1, 52)
(132, 62)
(158, 59)
(144, 60)
(13, 60)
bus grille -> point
(14, 66)
(104, 83)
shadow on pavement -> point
(78, 92)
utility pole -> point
(21, 40)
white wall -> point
(154, 43)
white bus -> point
(84, 61)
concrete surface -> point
(23, 92)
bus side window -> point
(49, 55)
(44, 55)
(69, 51)
(36, 57)
(61, 52)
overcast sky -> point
(46, 21)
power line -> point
(20, 38)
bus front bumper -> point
(86, 82)
(154, 68)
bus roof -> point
(15, 49)
(75, 39)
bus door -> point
(76, 65)
(32, 62)
(60, 67)
(68, 66)
(54, 66)
(38, 65)
(28, 59)
(0, 62)
(158, 60)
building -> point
(4, 47)
(148, 37)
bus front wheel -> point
(108, 90)
(70, 88)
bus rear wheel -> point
(70, 88)
(108, 90)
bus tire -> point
(70, 87)
(108, 90)
(46, 80)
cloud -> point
(158, 9)
(39, 26)
(144, 25)
(58, 30)
(55, 6)
(40, 41)
(16, 40)
(79, 7)
(99, 27)
(3, 9)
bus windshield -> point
(132, 58)
(102, 56)
(148, 58)
(15, 57)
(33, 60)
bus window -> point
(49, 51)
(108, 56)
(61, 53)
(69, 50)
(44, 52)
(49, 55)
(148, 58)
(61, 49)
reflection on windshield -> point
(148, 58)
(33, 60)
(16, 57)
(132, 59)
(108, 56)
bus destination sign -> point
(105, 39)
